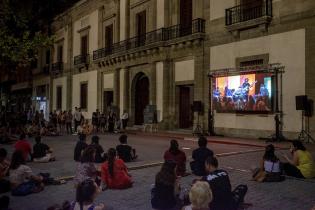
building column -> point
(123, 90)
(100, 90)
(124, 19)
(116, 88)
(152, 87)
(160, 90)
(199, 89)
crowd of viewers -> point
(33, 123)
(98, 170)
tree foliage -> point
(25, 28)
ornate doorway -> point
(141, 100)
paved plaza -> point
(236, 159)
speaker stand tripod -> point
(198, 129)
(305, 135)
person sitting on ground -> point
(200, 196)
(302, 165)
(125, 152)
(4, 169)
(79, 147)
(199, 157)
(86, 168)
(99, 156)
(22, 179)
(166, 189)
(25, 147)
(269, 170)
(114, 172)
(223, 197)
(85, 196)
(42, 152)
(178, 156)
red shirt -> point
(180, 159)
(25, 147)
(120, 180)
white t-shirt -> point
(125, 116)
(20, 175)
(272, 166)
(77, 115)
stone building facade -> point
(133, 53)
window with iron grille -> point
(256, 62)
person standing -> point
(124, 119)
(77, 118)
(111, 122)
(69, 117)
(41, 118)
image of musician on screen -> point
(242, 93)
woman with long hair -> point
(302, 164)
(178, 156)
(166, 189)
(22, 179)
(269, 169)
(86, 168)
(114, 172)
(85, 196)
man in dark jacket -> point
(199, 157)
(219, 181)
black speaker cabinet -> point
(301, 102)
(197, 106)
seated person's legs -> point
(239, 194)
(292, 170)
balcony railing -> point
(245, 12)
(163, 34)
(57, 68)
(196, 26)
(81, 59)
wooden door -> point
(141, 27)
(184, 107)
(84, 45)
(185, 17)
(60, 53)
(141, 98)
(109, 38)
(108, 98)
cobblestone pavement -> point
(290, 194)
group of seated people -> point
(217, 194)
(210, 190)
(16, 176)
(301, 165)
(112, 173)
